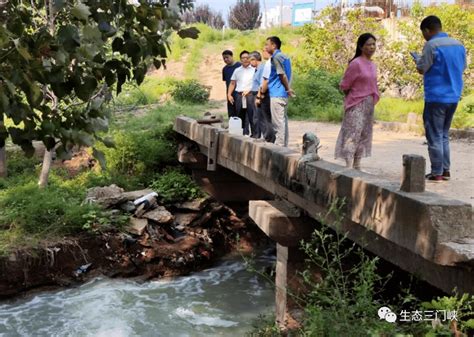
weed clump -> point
(175, 186)
(191, 91)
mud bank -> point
(212, 232)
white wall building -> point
(271, 18)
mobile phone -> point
(414, 55)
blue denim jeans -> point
(437, 119)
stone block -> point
(413, 179)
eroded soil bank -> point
(208, 230)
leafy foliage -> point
(329, 49)
(174, 185)
(29, 215)
(191, 91)
(58, 60)
(245, 15)
(139, 154)
(318, 96)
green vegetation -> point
(191, 92)
(151, 91)
(345, 289)
(318, 97)
(72, 55)
(397, 109)
(144, 148)
(328, 49)
(173, 185)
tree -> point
(59, 61)
(245, 15)
(204, 14)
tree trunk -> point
(44, 175)
(3, 154)
(48, 155)
(3, 162)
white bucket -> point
(235, 126)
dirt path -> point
(209, 73)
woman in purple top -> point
(359, 85)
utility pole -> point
(281, 13)
(265, 15)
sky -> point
(224, 5)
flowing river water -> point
(221, 301)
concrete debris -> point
(137, 226)
(159, 215)
(107, 196)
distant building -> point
(273, 17)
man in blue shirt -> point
(442, 64)
(227, 73)
(277, 83)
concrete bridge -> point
(421, 232)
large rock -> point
(107, 196)
(159, 215)
(137, 226)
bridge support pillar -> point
(288, 282)
(284, 224)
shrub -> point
(55, 210)
(317, 96)
(139, 154)
(344, 290)
(464, 116)
(173, 185)
(191, 91)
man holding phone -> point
(442, 64)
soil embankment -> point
(206, 231)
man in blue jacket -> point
(442, 64)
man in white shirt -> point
(241, 81)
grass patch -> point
(149, 92)
(397, 109)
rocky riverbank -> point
(159, 241)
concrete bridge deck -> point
(423, 233)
